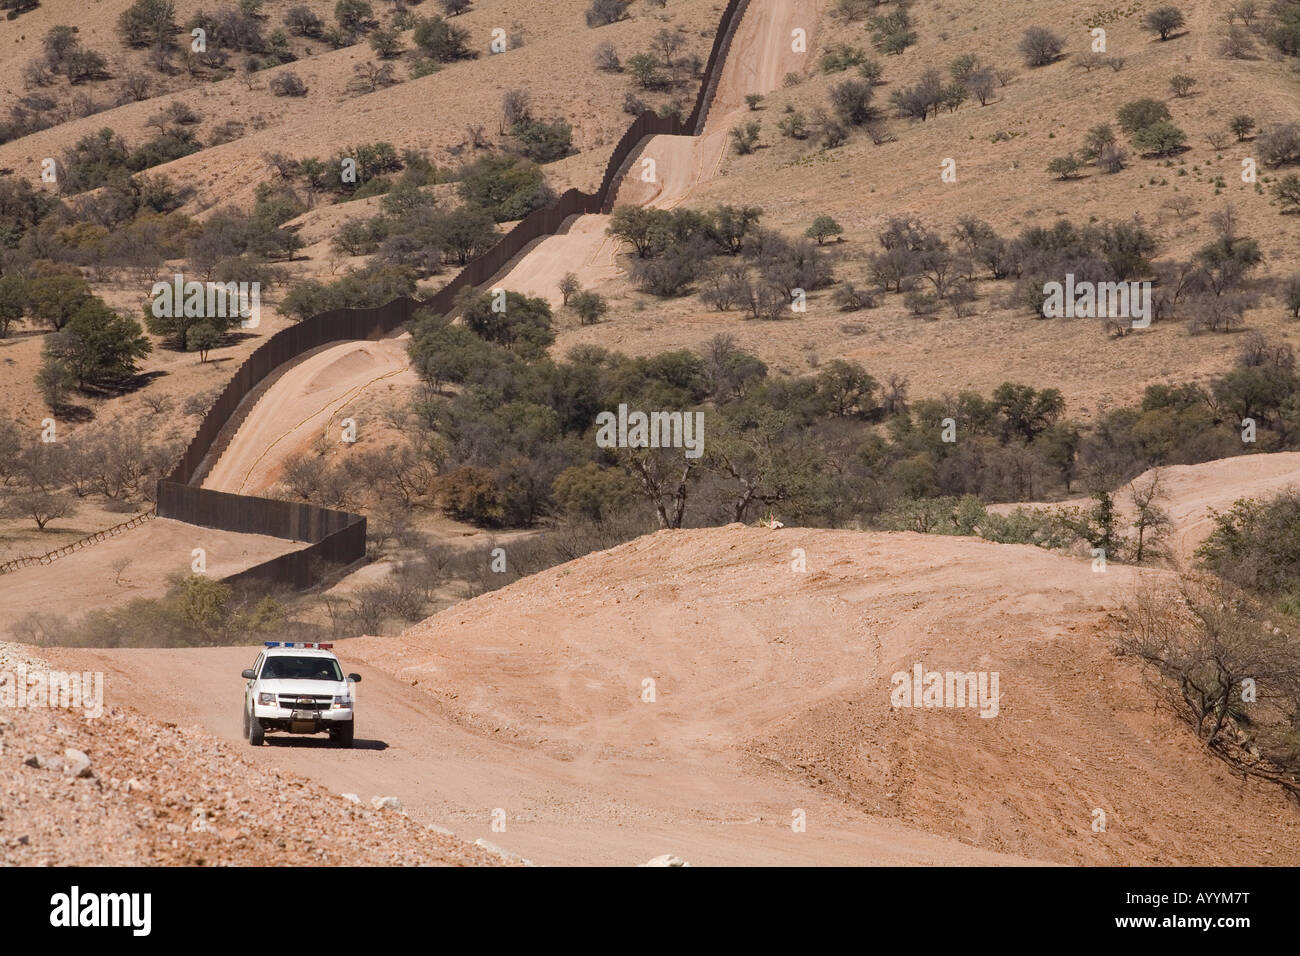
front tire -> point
(255, 732)
(342, 736)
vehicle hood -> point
(304, 688)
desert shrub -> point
(589, 306)
(893, 32)
(287, 84)
(606, 58)
(1164, 21)
(793, 125)
(1206, 642)
(1065, 167)
(506, 187)
(544, 142)
(1040, 46)
(302, 21)
(1287, 191)
(744, 137)
(851, 101)
(921, 99)
(1279, 144)
(148, 22)
(848, 298)
(440, 41)
(841, 57)
(604, 12)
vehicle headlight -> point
(266, 699)
(344, 702)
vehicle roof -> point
(299, 652)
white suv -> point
(298, 688)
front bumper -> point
(291, 721)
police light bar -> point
(307, 645)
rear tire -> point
(245, 730)
(255, 732)
(342, 736)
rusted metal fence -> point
(338, 537)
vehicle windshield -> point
(301, 668)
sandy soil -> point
(772, 693)
(89, 579)
(306, 403)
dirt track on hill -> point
(307, 402)
(1189, 492)
(759, 59)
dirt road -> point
(771, 694)
(761, 55)
(307, 402)
(559, 810)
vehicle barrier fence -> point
(87, 541)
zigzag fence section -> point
(49, 556)
(337, 538)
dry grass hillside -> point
(1001, 152)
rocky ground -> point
(122, 789)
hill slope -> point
(774, 676)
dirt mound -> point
(1191, 491)
(123, 790)
(770, 675)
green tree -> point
(518, 323)
(148, 23)
(1160, 138)
(203, 338)
(98, 347)
(507, 187)
(1026, 412)
(590, 306)
(441, 41)
(593, 492)
(1139, 114)
(13, 301)
(54, 299)
(1241, 125)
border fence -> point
(338, 538)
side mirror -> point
(355, 678)
(248, 674)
